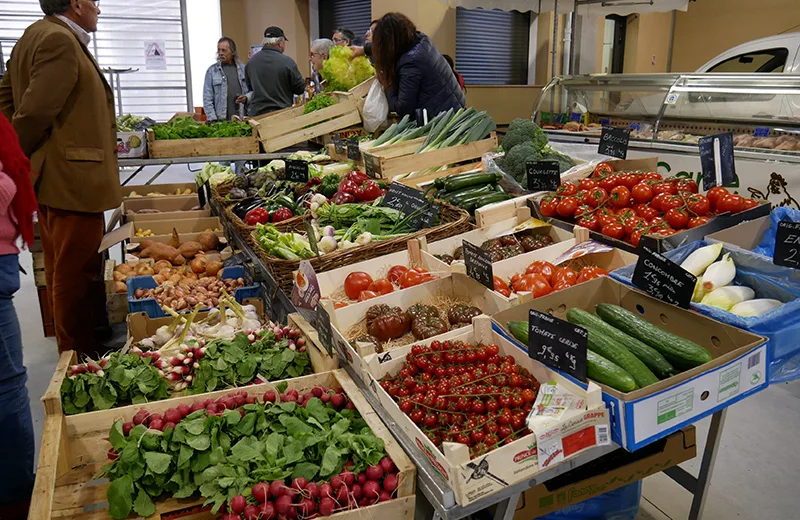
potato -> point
(190, 249)
(208, 241)
(120, 287)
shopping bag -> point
(376, 108)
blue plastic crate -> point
(153, 310)
(620, 504)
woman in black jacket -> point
(411, 70)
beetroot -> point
(172, 415)
(374, 472)
(140, 417)
(390, 482)
(238, 503)
(326, 506)
(250, 512)
(387, 465)
(260, 492)
(267, 511)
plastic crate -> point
(153, 310)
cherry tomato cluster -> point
(360, 286)
(627, 205)
(470, 394)
(541, 278)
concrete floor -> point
(756, 474)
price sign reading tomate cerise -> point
(296, 171)
(353, 152)
(614, 142)
(663, 279)
(478, 264)
(543, 175)
(324, 329)
(557, 343)
(787, 244)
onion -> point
(198, 264)
(212, 268)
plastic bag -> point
(376, 108)
(620, 504)
(767, 245)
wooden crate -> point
(290, 126)
(400, 159)
(209, 146)
(74, 448)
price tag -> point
(353, 152)
(543, 175)
(614, 142)
(324, 330)
(761, 132)
(663, 279)
(479, 264)
(202, 193)
(369, 166)
(787, 244)
(557, 343)
(575, 116)
(339, 146)
(312, 237)
(711, 155)
(605, 121)
(296, 171)
(409, 200)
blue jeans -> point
(16, 425)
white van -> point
(773, 54)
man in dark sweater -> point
(272, 76)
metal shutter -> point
(350, 14)
(122, 30)
(492, 46)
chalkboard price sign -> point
(338, 145)
(787, 244)
(369, 166)
(409, 200)
(324, 330)
(557, 343)
(709, 157)
(663, 279)
(353, 152)
(296, 171)
(614, 142)
(479, 264)
(543, 175)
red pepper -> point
(281, 214)
(256, 216)
(348, 186)
(343, 198)
(368, 191)
(357, 177)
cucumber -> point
(485, 200)
(615, 352)
(649, 356)
(677, 350)
(604, 371)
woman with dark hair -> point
(411, 70)
(459, 77)
(225, 88)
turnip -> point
(238, 503)
(267, 511)
(277, 489)
(140, 417)
(356, 492)
(156, 424)
(306, 506)
(325, 490)
(260, 492)
(374, 472)
(250, 512)
(299, 483)
(348, 477)
(127, 427)
(384, 496)
(326, 506)
(371, 490)
(337, 400)
(283, 504)
(312, 489)
(387, 465)
(390, 482)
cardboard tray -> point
(508, 464)
(738, 370)
(169, 208)
(159, 190)
(74, 448)
(747, 235)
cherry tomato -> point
(606, 217)
(410, 278)
(381, 286)
(583, 210)
(664, 232)
(625, 213)
(367, 295)
(653, 176)
(632, 223)
(611, 182)
(750, 203)
(534, 283)
(396, 272)
(698, 204)
(565, 274)
(656, 202)
(602, 169)
(595, 197)
(665, 187)
(642, 193)
(549, 206)
(635, 237)
(356, 282)
(697, 221)
(687, 186)
(591, 272)
(501, 286)
(677, 218)
(714, 194)
(671, 201)
(731, 202)
(589, 222)
(620, 197)
(587, 184)
(544, 268)
(613, 230)
(566, 208)
(567, 189)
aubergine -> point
(241, 209)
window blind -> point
(351, 14)
(492, 46)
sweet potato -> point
(158, 251)
(175, 241)
(190, 249)
(208, 241)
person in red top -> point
(458, 75)
(17, 204)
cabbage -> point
(342, 73)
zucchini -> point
(468, 193)
(649, 356)
(485, 200)
(676, 349)
(615, 352)
(604, 371)
(456, 182)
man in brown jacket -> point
(62, 108)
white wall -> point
(205, 28)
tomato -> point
(591, 272)
(671, 201)
(534, 283)
(583, 210)
(606, 217)
(611, 182)
(501, 286)
(381, 286)
(750, 203)
(565, 274)
(595, 197)
(587, 184)
(664, 232)
(687, 186)
(642, 193)
(635, 237)
(613, 230)
(589, 222)
(411, 278)
(396, 272)
(647, 212)
(677, 218)
(602, 169)
(562, 284)
(620, 197)
(339, 305)
(632, 223)
(356, 282)
(730, 202)
(549, 206)
(653, 176)
(566, 208)
(567, 189)
(629, 180)
(367, 295)
(665, 187)
(656, 202)
(698, 204)
(543, 268)
(625, 213)
(714, 194)
(697, 221)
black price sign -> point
(353, 152)
(787, 244)
(558, 344)
(663, 279)
(409, 200)
(479, 264)
(324, 330)
(543, 175)
(369, 166)
(717, 149)
(614, 142)
(202, 193)
(339, 146)
(296, 171)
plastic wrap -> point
(781, 326)
(767, 245)
(620, 504)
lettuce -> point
(342, 73)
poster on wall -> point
(155, 57)
(253, 49)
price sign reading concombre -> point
(663, 279)
(558, 344)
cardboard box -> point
(182, 226)
(173, 189)
(747, 235)
(738, 368)
(610, 472)
(474, 479)
(168, 208)
(132, 145)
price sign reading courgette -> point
(558, 344)
(543, 175)
(478, 264)
(662, 278)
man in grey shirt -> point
(272, 76)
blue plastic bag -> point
(620, 504)
(781, 326)
(767, 245)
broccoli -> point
(514, 162)
(522, 130)
(564, 162)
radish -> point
(277, 489)
(175, 361)
(283, 504)
(197, 405)
(196, 365)
(127, 427)
(339, 390)
(337, 482)
(387, 465)
(357, 493)
(325, 398)
(175, 377)
(231, 516)
(251, 399)
(326, 506)
(112, 454)
(156, 417)
(174, 415)
(371, 491)
(240, 400)
(337, 400)
(348, 477)
(155, 355)
(300, 342)
(361, 478)
(168, 425)
(250, 512)
(291, 398)
(238, 503)
(299, 483)
(325, 490)
(374, 472)
(260, 492)
(140, 417)
(156, 424)
(364, 502)
(306, 506)
(313, 490)
(390, 482)
(317, 391)
(267, 511)
(349, 406)
(341, 495)
(384, 496)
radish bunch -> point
(89, 367)
(334, 396)
(293, 335)
(302, 499)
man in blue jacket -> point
(272, 76)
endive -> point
(699, 260)
(699, 292)
(728, 296)
(757, 307)
(719, 274)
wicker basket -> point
(219, 193)
(247, 231)
(454, 222)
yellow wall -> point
(434, 18)
(504, 103)
(711, 27)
